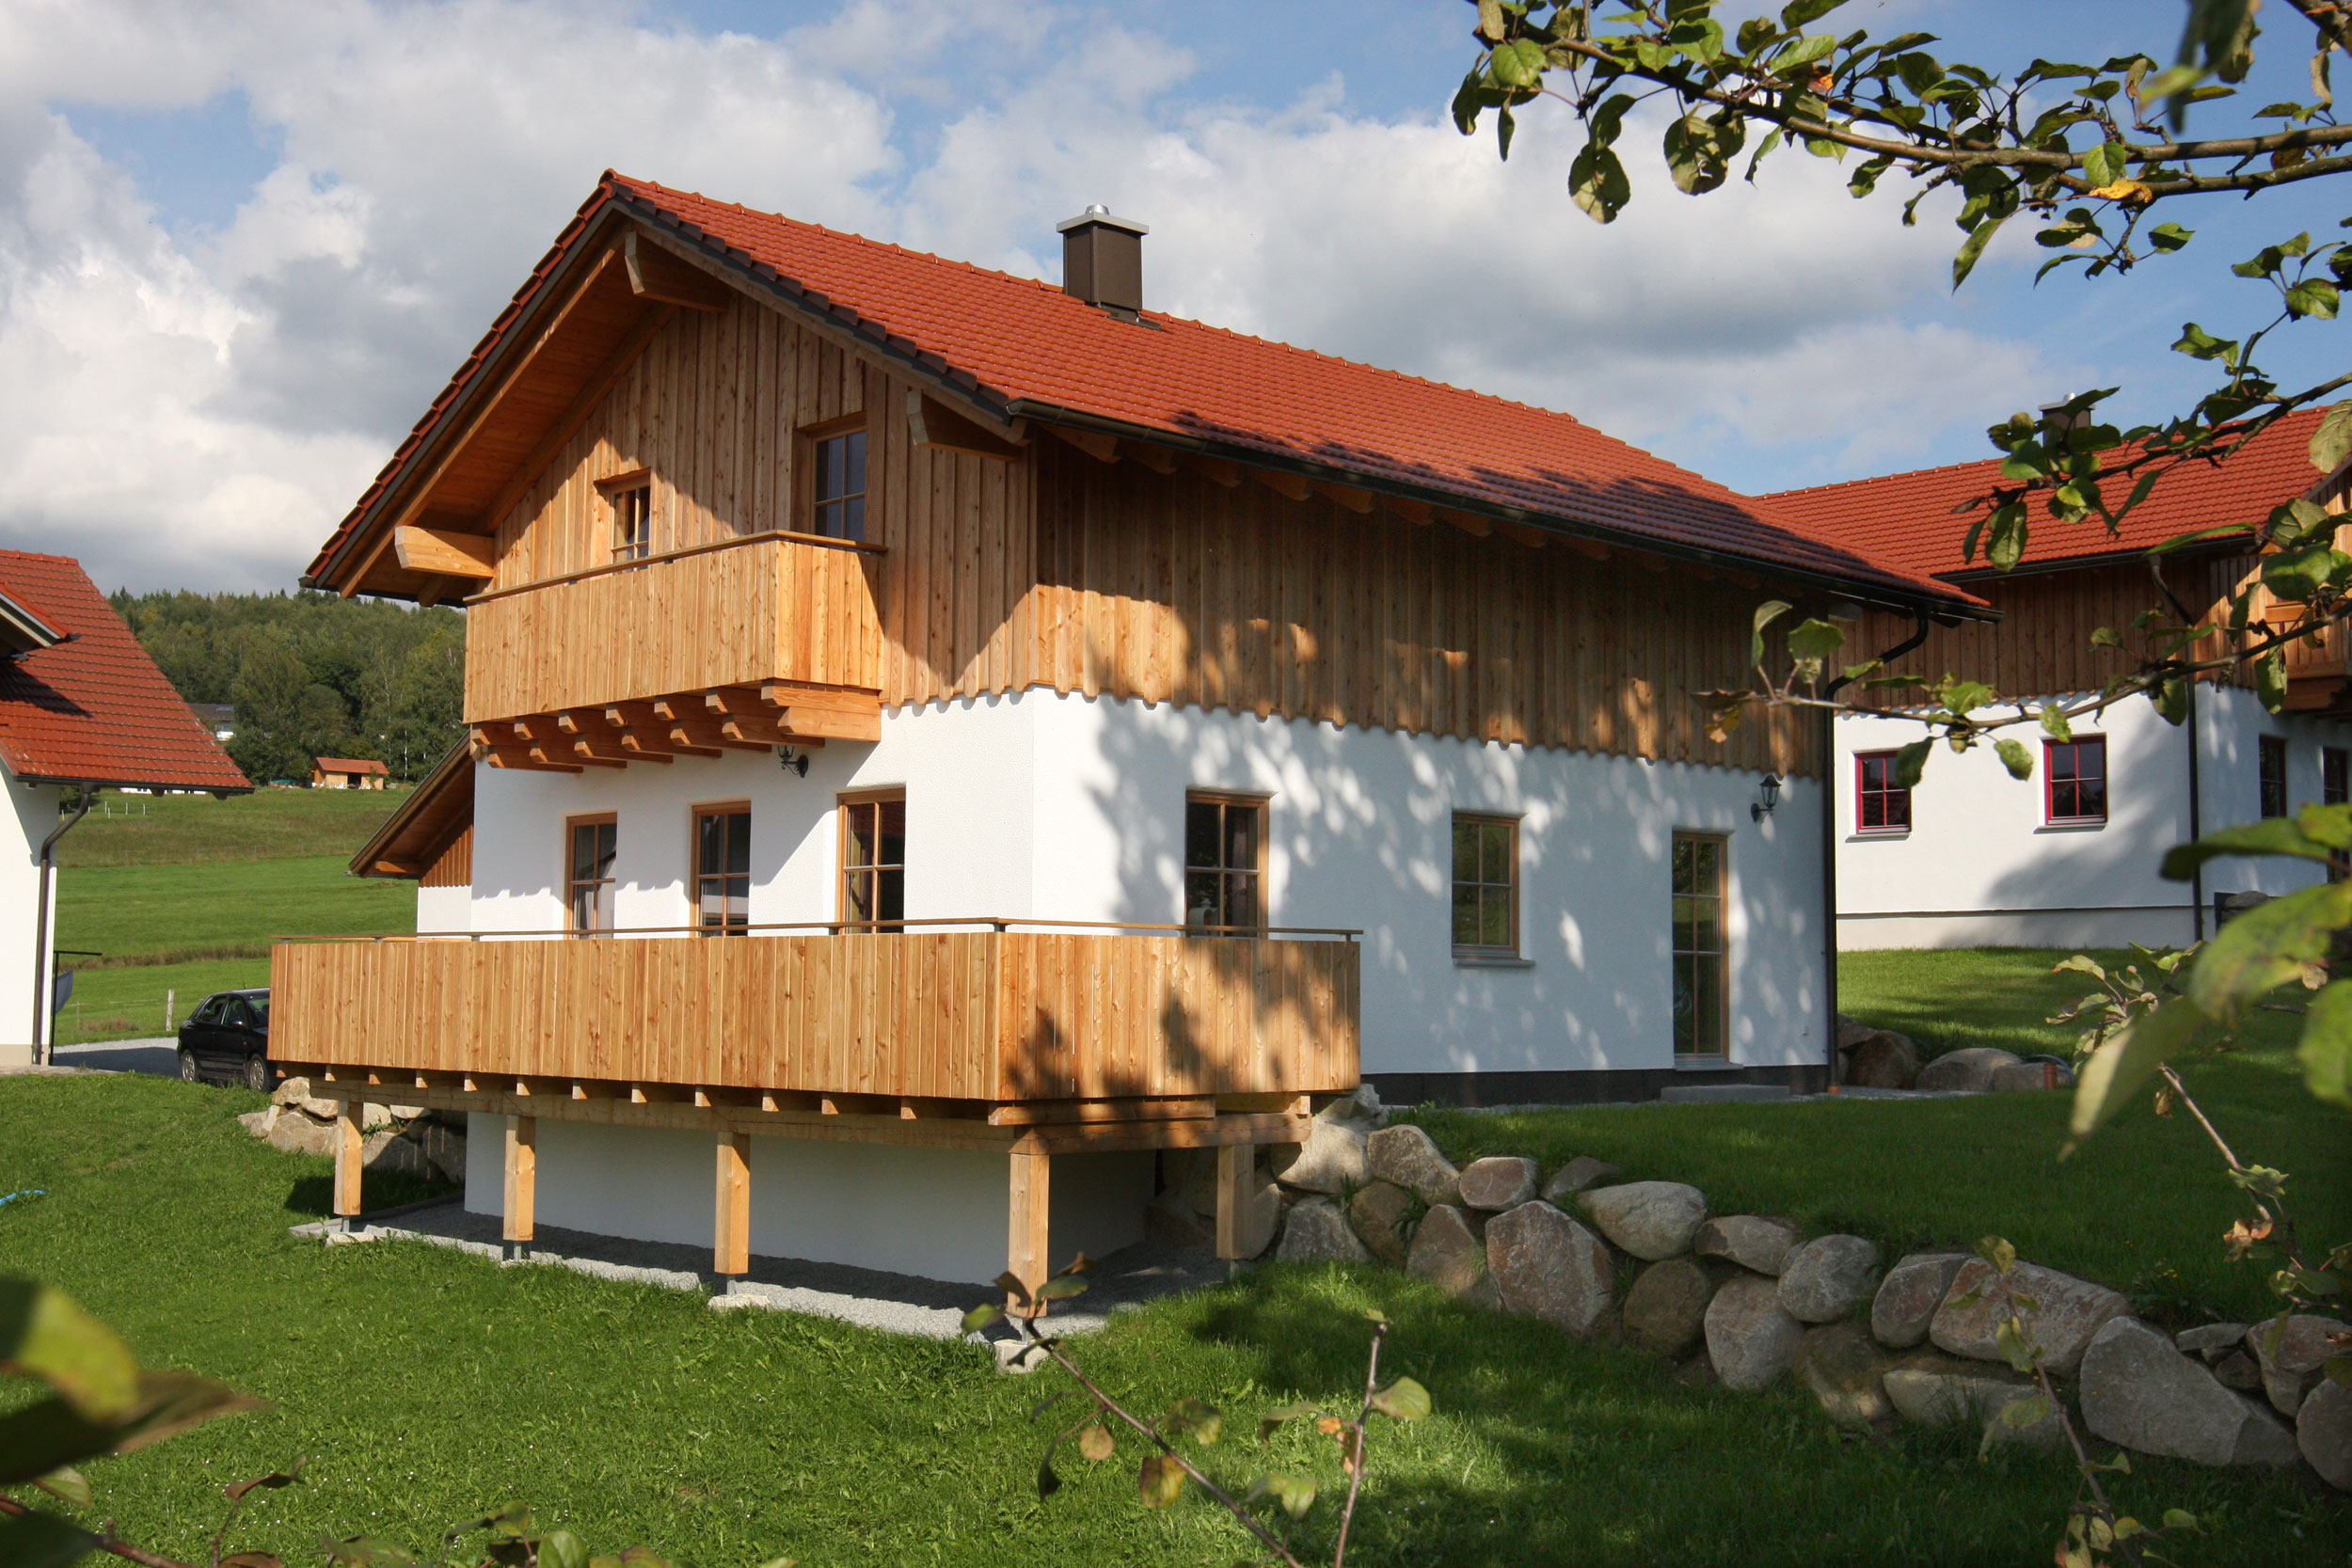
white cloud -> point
(199, 408)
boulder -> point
(1261, 1216)
(1170, 1222)
(297, 1132)
(257, 1122)
(1447, 1252)
(444, 1149)
(1750, 1241)
(1406, 1156)
(1382, 1216)
(2141, 1392)
(2238, 1370)
(1315, 1231)
(1188, 1177)
(2290, 1370)
(1331, 1161)
(1498, 1182)
(295, 1092)
(1878, 1059)
(1841, 1366)
(1546, 1265)
(1579, 1175)
(1359, 1107)
(1648, 1219)
(1851, 1032)
(1936, 1391)
(2067, 1311)
(1910, 1294)
(1665, 1311)
(1750, 1339)
(1968, 1071)
(388, 1153)
(2214, 1341)
(2323, 1431)
(2035, 1072)
(1828, 1278)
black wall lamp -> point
(1770, 789)
(792, 760)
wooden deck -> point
(972, 1035)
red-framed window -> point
(2271, 764)
(2075, 778)
(1879, 804)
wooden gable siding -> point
(2041, 644)
(1173, 588)
(712, 409)
(454, 866)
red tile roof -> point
(1918, 520)
(349, 765)
(1029, 349)
(95, 707)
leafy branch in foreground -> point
(1160, 1479)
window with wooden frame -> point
(1224, 864)
(2270, 767)
(590, 845)
(1701, 953)
(837, 467)
(629, 498)
(1485, 886)
(2075, 779)
(723, 869)
(874, 860)
(2335, 788)
(1879, 804)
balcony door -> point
(873, 861)
(590, 849)
(723, 869)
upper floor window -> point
(1485, 887)
(2271, 765)
(1879, 804)
(632, 517)
(723, 869)
(2075, 779)
(588, 873)
(874, 860)
(839, 462)
(1224, 863)
(2335, 788)
(1701, 955)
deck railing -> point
(769, 606)
(976, 1010)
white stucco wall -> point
(1980, 866)
(1050, 807)
(31, 816)
(444, 908)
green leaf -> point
(2130, 1056)
(2169, 237)
(1518, 63)
(1160, 1480)
(1798, 13)
(2275, 836)
(1010, 1284)
(2007, 546)
(2054, 722)
(1802, 53)
(1597, 184)
(365, 1551)
(1198, 1419)
(1910, 762)
(1403, 1401)
(1973, 246)
(2179, 1519)
(39, 1541)
(2299, 522)
(2104, 164)
(1095, 1442)
(1271, 1422)
(1294, 1494)
(2010, 1340)
(1699, 152)
(2197, 343)
(2265, 946)
(561, 1549)
(1815, 639)
(45, 1435)
(43, 1334)
(2020, 1414)
(2331, 443)
(68, 1485)
(1765, 613)
(2326, 1051)
(1998, 1251)
(2313, 296)
(2015, 758)
(982, 1316)
(2270, 679)
(1062, 1287)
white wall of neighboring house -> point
(1981, 867)
(31, 817)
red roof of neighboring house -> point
(350, 765)
(1030, 350)
(94, 708)
(1918, 520)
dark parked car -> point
(228, 1037)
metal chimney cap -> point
(1097, 212)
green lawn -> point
(425, 1387)
(151, 830)
(223, 908)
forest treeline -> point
(312, 675)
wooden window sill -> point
(1490, 961)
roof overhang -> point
(24, 632)
(425, 824)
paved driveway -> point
(159, 1055)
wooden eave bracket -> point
(933, 423)
(444, 552)
(1102, 448)
(656, 275)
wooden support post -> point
(1031, 1198)
(731, 1230)
(522, 1181)
(1236, 1213)
(349, 1150)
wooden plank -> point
(350, 1145)
(731, 1244)
(520, 1209)
(1236, 1186)
(1028, 1203)
(446, 551)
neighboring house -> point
(347, 773)
(2070, 859)
(219, 717)
(1173, 725)
(80, 703)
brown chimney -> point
(1102, 259)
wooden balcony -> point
(787, 615)
(2316, 670)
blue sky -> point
(241, 246)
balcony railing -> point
(984, 1013)
(770, 607)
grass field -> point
(268, 824)
(426, 1386)
(223, 908)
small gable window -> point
(839, 462)
(631, 498)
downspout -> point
(41, 929)
(1829, 837)
(2196, 828)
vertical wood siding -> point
(454, 867)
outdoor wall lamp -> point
(1769, 791)
(792, 760)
